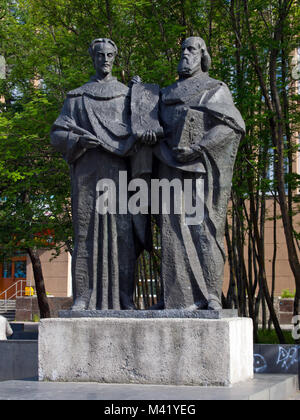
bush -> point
(287, 294)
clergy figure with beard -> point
(95, 134)
(202, 133)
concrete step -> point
(9, 315)
(8, 303)
(7, 306)
(8, 309)
(296, 397)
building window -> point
(7, 269)
(13, 276)
(20, 269)
(13, 268)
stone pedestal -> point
(146, 351)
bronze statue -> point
(97, 133)
(202, 134)
(107, 128)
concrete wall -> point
(284, 309)
(27, 307)
(277, 359)
(18, 360)
(57, 273)
(284, 275)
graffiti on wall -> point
(276, 359)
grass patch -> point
(270, 337)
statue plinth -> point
(146, 314)
(170, 351)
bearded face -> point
(191, 58)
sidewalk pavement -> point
(265, 387)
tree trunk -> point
(259, 250)
(39, 283)
(278, 139)
(277, 132)
(274, 253)
(231, 297)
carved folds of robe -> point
(197, 111)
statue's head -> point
(194, 57)
(103, 52)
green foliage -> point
(45, 44)
(34, 183)
(287, 294)
(35, 318)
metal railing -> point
(14, 291)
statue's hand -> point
(134, 81)
(88, 142)
(186, 154)
(149, 138)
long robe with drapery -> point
(105, 246)
(198, 112)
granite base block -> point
(145, 314)
(205, 352)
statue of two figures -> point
(119, 138)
